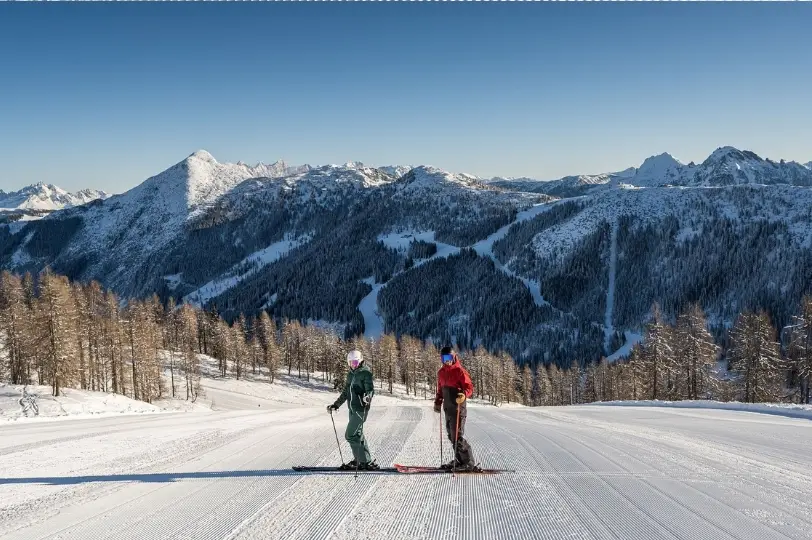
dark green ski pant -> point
(355, 436)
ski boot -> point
(468, 467)
(348, 466)
(368, 466)
(450, 465)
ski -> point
(412, 469)
(303, 468)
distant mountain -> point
(513, 264)
(569, 186)
(46, 197)
(396, 170)
(724, 167)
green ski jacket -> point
(358, 383)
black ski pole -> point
(456, 443)
(336, 432)
(440, 416)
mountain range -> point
(46, 198)
(550, 271)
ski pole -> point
(336, 432)
(440, 416)
(456, 443)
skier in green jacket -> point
(358, 392)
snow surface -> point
(789, 410)
(400, 241)
(35, 403)
(373, 322)
(585, 472)
(632, 339)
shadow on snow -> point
(174, 477)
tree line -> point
(72, 335)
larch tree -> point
(239, 347)
(657, 356)
(266, 332)
(542, 388)
(57, 314)
(799, 348)
(755, 357)
(389, 355)
(696, 353)
(15, 325)
(189, 345)
(527, 385)
(114, 336)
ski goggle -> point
(447, 358)
(354, 363)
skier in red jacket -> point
(454, 386)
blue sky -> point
(105, 95)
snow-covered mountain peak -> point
(432, 180)
(427, 173)
(808, 165)
(659, 163)
(396, 170)
(355, 173)
(354, 165)
(200, 179)
(202, 155)
(728, 154)
(46, 197)
(658, 170)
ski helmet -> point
(354, 358)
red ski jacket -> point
(451, 380)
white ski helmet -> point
(354, 358)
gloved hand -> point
(460, 398)
(366, 399)
(331, 408)
(437, 406)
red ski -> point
(412, 469)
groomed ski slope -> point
(584, 473)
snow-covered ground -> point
(789, 410)
(582, 472)
(632, 339)
(401, 241)
(373, 322)
(35, 403)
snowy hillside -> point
(568, 279)
(592, 472)
(46, 197)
